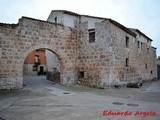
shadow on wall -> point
(54, 76)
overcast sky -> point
(141, 14)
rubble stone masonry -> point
(107, 61)
(104, 61)
(17, 41)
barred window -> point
(91, 35)
(127, 42)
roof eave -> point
(66, 12)
(138, 31)
(144, 35)
(122, 27)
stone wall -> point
(147, 65)
(17, 41)
(121, 52)
(103, 62)
(135, 71)
(98, 64)
(93, 58)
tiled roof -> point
(66, 12)
(23, 17)
(112, 21)
(136, 30)
(8, 25)
(93, 16)
(76, 14)
(122, 27)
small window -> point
(91, 35)
(34, 68)
(141, 45)
(146, 66)
(138, 44)
(55, 19)
(36, 58)
(127, 62)
(81, 74)
(151, 72)
(148, 51)
(127, 42)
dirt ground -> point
(43, 100)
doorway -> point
(41, 70)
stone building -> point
(158, 67)
(91, 50)
(108, 52)
(35, 63)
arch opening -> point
(41, 64)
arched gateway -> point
(31, 34)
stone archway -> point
(30, 34)
(29, 67)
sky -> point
(141, 14)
